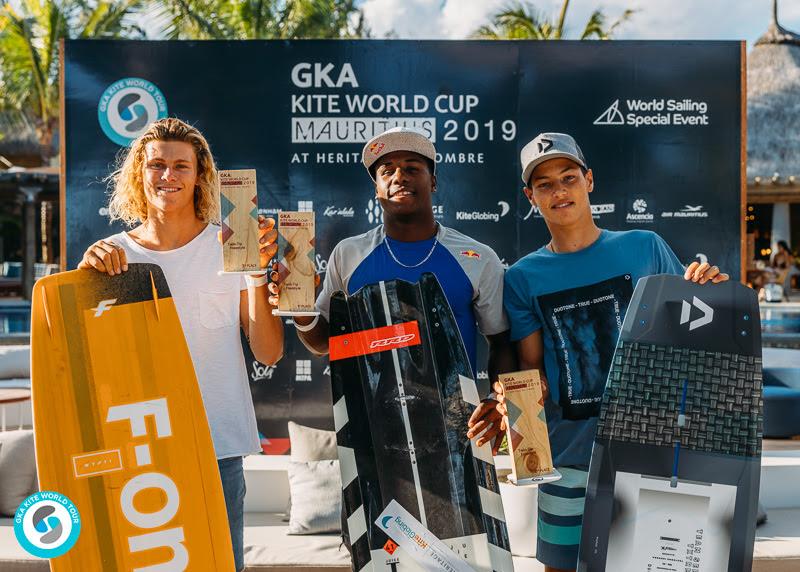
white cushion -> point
(309, 444)
(15, 361)
(269, 546)
(316, 492)
(17, 469)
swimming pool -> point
(780, 325)
(15, 318)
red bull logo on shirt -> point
(470, 254)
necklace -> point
(420, 263)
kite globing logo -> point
(127, 107)
(47, 524)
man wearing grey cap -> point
(402, 165)
(566, 303)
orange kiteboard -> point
(120, 426)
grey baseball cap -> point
(546, 146)
(397, 139)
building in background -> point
(773, 149)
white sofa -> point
(269, 547)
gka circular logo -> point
(127, 107)
(47, 524)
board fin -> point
(46, 312)
(155, 295)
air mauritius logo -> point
(47, 524)
(376, 148)
(686, 311)
(127, 107)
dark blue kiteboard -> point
(403, 391)
(674, 477)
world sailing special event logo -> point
(127, 107)
(652, 112)
(47, 524)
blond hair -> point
(128, 202)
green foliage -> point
(30, 34)
(31, 30)
(258, 19)
(521, 21)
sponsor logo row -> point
(638, 211)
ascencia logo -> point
(639, 214)
(47, 524)
(127, 107)
(651, 112)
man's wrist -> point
(307, 324)
(255, 280)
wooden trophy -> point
(528, 442)
(296, 264)
(238, 207)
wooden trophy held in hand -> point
(296, 264)
(528, 442)
(238, 207)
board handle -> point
(46, 312)
(155, 295)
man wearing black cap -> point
(402, 165)
(566, 302)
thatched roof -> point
(773, 107)
(18, 135)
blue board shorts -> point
(560, 506)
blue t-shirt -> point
(579, 300)
(470, 273)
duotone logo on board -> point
(127, 107)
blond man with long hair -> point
(166, 190)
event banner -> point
(660, 124)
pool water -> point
(15, 319)
(777, 324)
(780, 325)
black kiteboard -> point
(403, 391)
(674, 477)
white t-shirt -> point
(208, 307)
